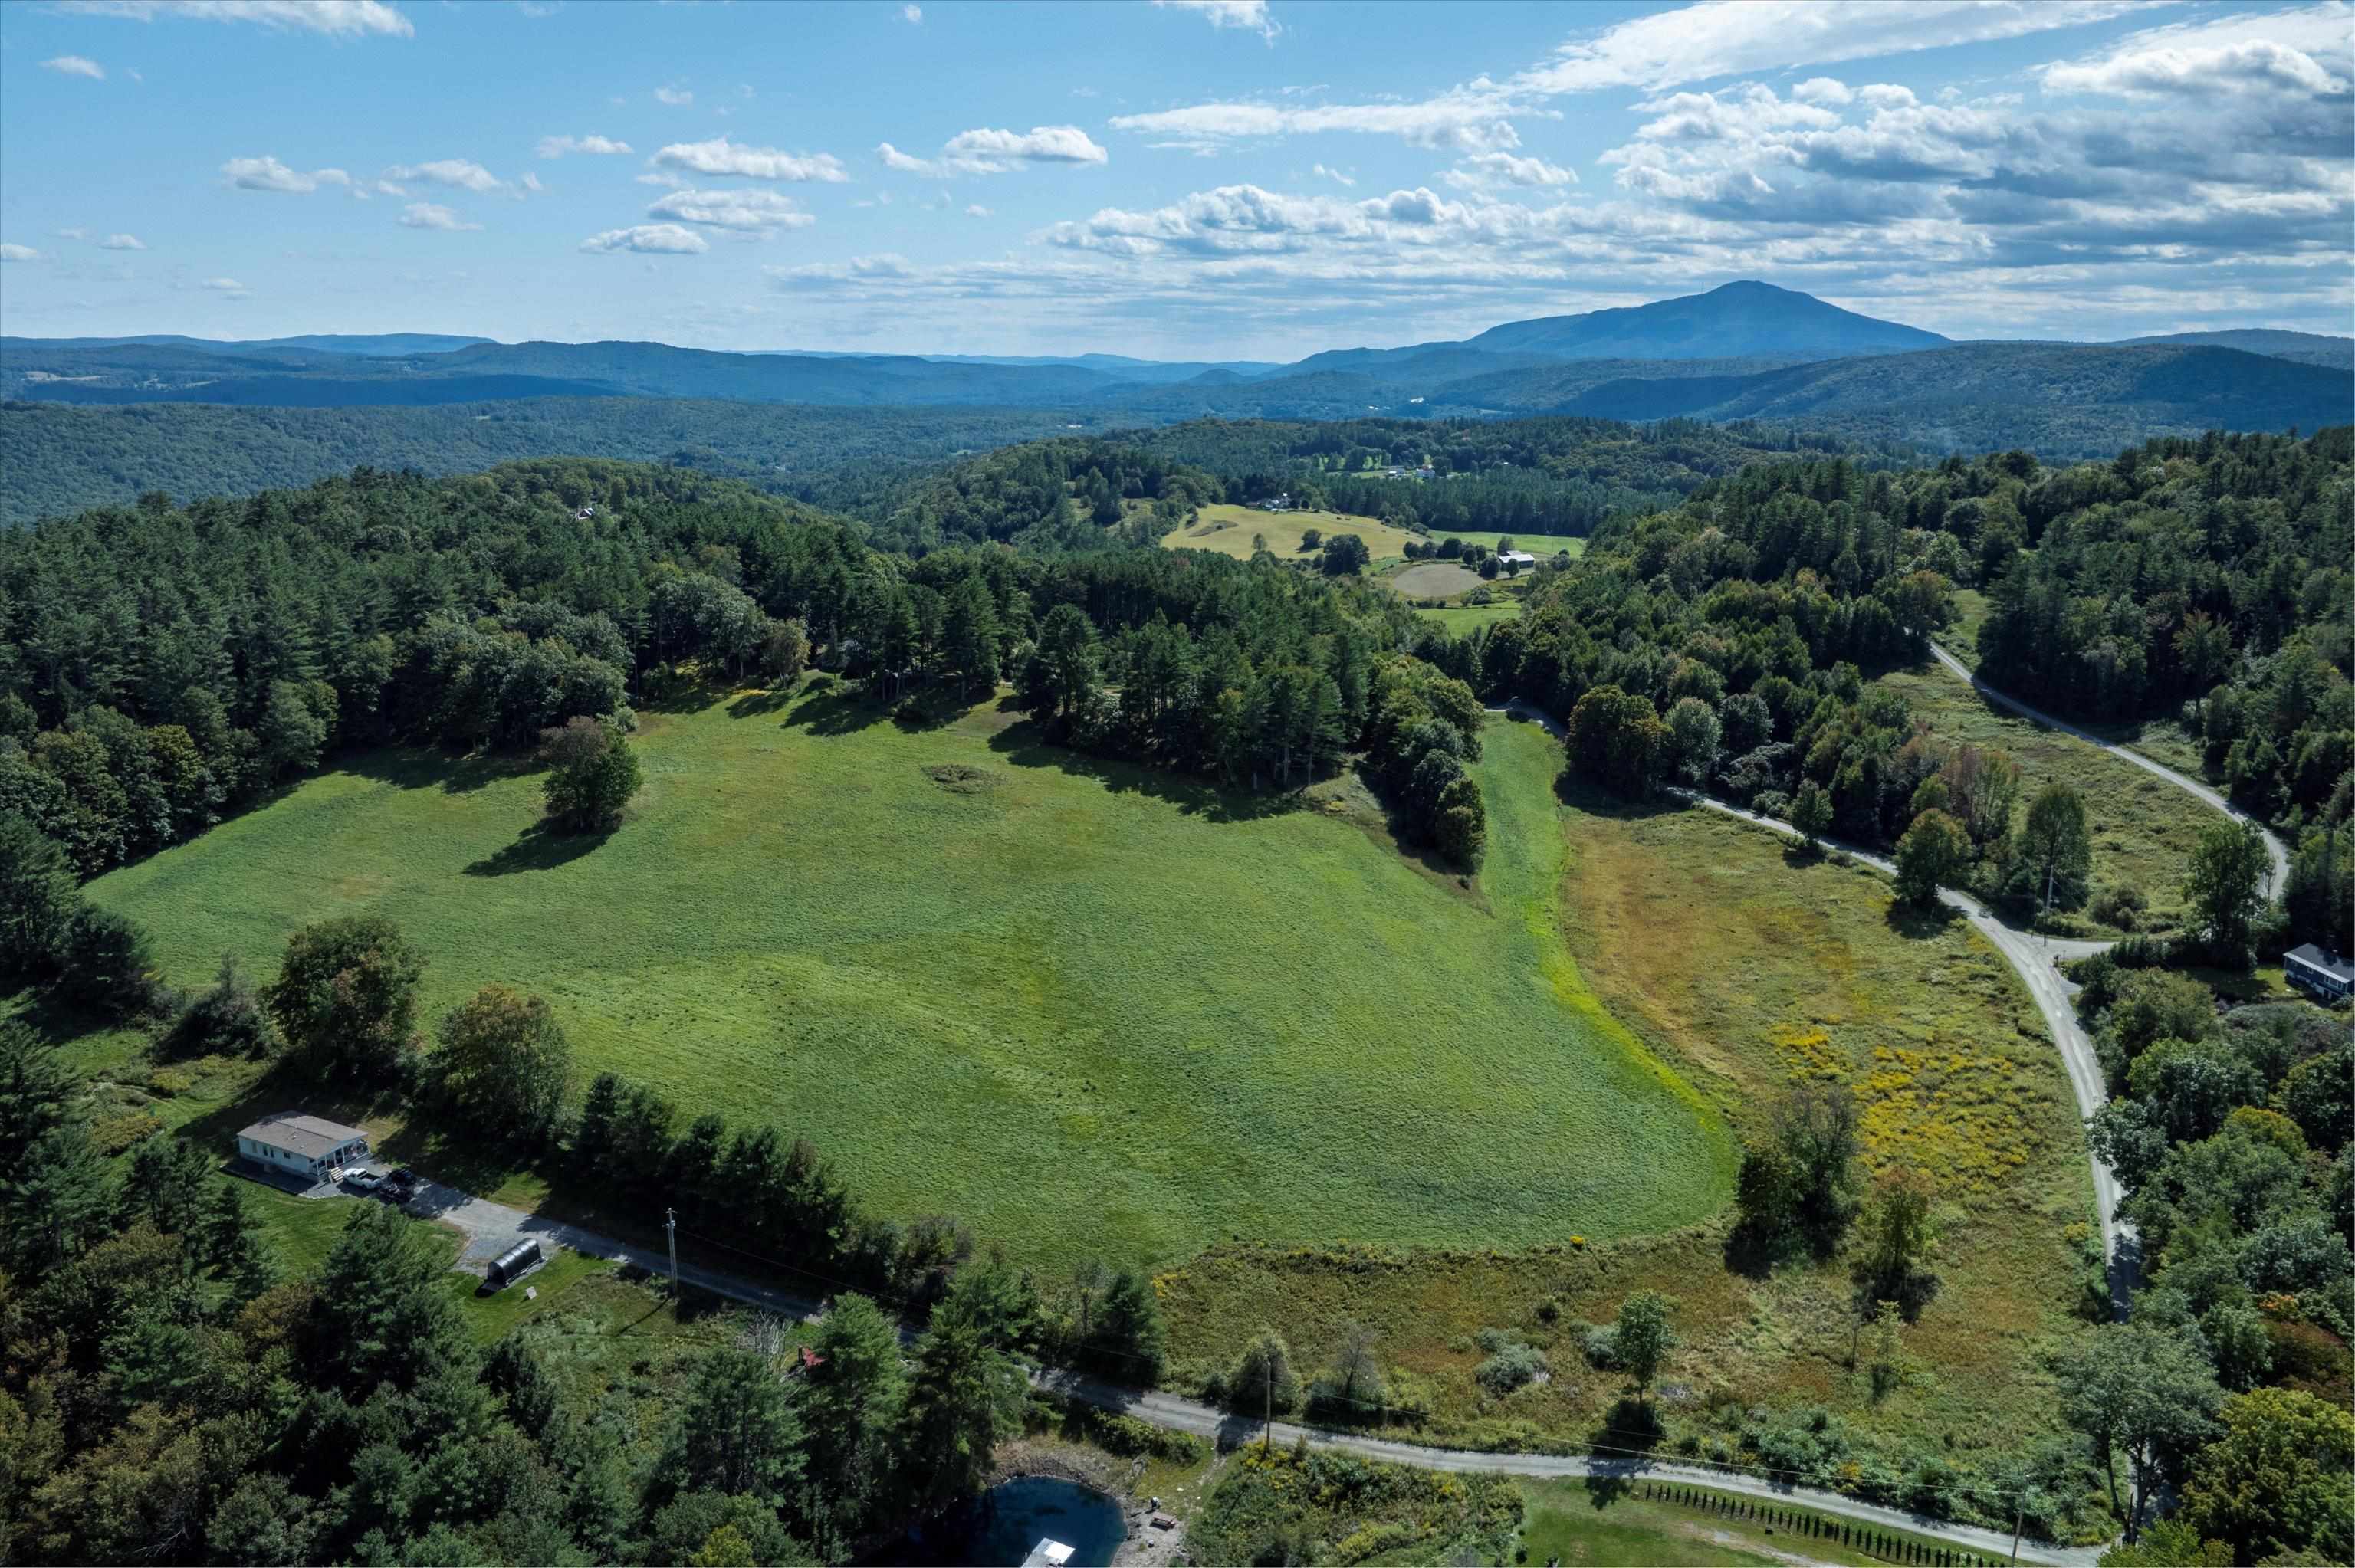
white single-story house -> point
(1277, 503)
(1521, 559)
(2327, 977)
(306, 1145)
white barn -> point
(305, 1145)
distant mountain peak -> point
(1742, 318)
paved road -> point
(2276, 853)
(1188, 1416)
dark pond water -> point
(999, 1529)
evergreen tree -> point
(382, 1313)
(964, 1398)
(54, 1193)
(738, 1433)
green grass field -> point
(1086, 1007)
(1746, 966)
(2144, 828)
(1463, 619)
(1229, 529)
(1611, 1524)
(1542, 545)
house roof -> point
(309, 1136)
(2328, 963)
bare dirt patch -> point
(1434, 580)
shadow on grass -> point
(752, 704)
(538, 848)
(835, 712)
(416, 770)
(1916, 923)
(283, 1089)
(1022, 746)
(1586, 795)
(1630, 1429)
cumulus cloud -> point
(337, 19)
(1484, 168)
(652, 239)
(604, 146)
(976, 210)
(911, 14)
(677, 97)
(230, 287)
(988, 151)
(1695, 43)
(2303, 53)
(1248, 15)
(752, 211)
(75, 65)
(462, 173)
(721, 156)
(1335, 175)
(267, 174)
(18, 253)
(431, 215)
(829, 274)
(121, 243)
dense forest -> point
(1724, 644)
(62, 458)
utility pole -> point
(2019, 1517)
(670, 1230)
(1267, 1424)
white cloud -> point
(2286, 53)
(1733, 38)
(267, 174)
(337, 19)
(604, 146)
(432, 214)
(1335, 175)
(911, 14)
(754, 211)
(228, 286)
(18, 253)
(976, 210)
(1693, 43)
(721, 156)
(73, 234)
(461, 174)
(1822, 90)
(1476, 119)
(530, 182)
(827, 274)
(76, 65)
(655, 239)
(385, 187)
(121, 243)
(1482, 168)
(677, 97)
(667, 181)
(1248, 15)
(990, 151)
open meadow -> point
(2144, 828)
(1085, 1007)
(1748, 967)
(1230, 529)
(1464, 619)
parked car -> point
(363, 1180)
(401, 1185)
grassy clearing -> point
(1229, 529)
(1961, 638)
(2144, 828)
(1608, 1523)
(1089, 1008)
(1463, 619)
(1745, 967)
(1434, 580)
(1541, 546)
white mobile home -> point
(303, 1145)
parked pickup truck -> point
(360, 1179)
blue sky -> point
(1236, 178)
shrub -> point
(114, 1134)
(2120, 906)
(1601, 1347)
(1512, 1365)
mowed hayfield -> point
(1544, 546)
(1229, 529)
(1464, 619)
(1434, 580)
(2144, 828)
(1749, 967)
(1087, 1007)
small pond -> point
(998, 1529)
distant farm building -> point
(2325, 976)
(306, 1145)
(1519, 559)
(1277, 503)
